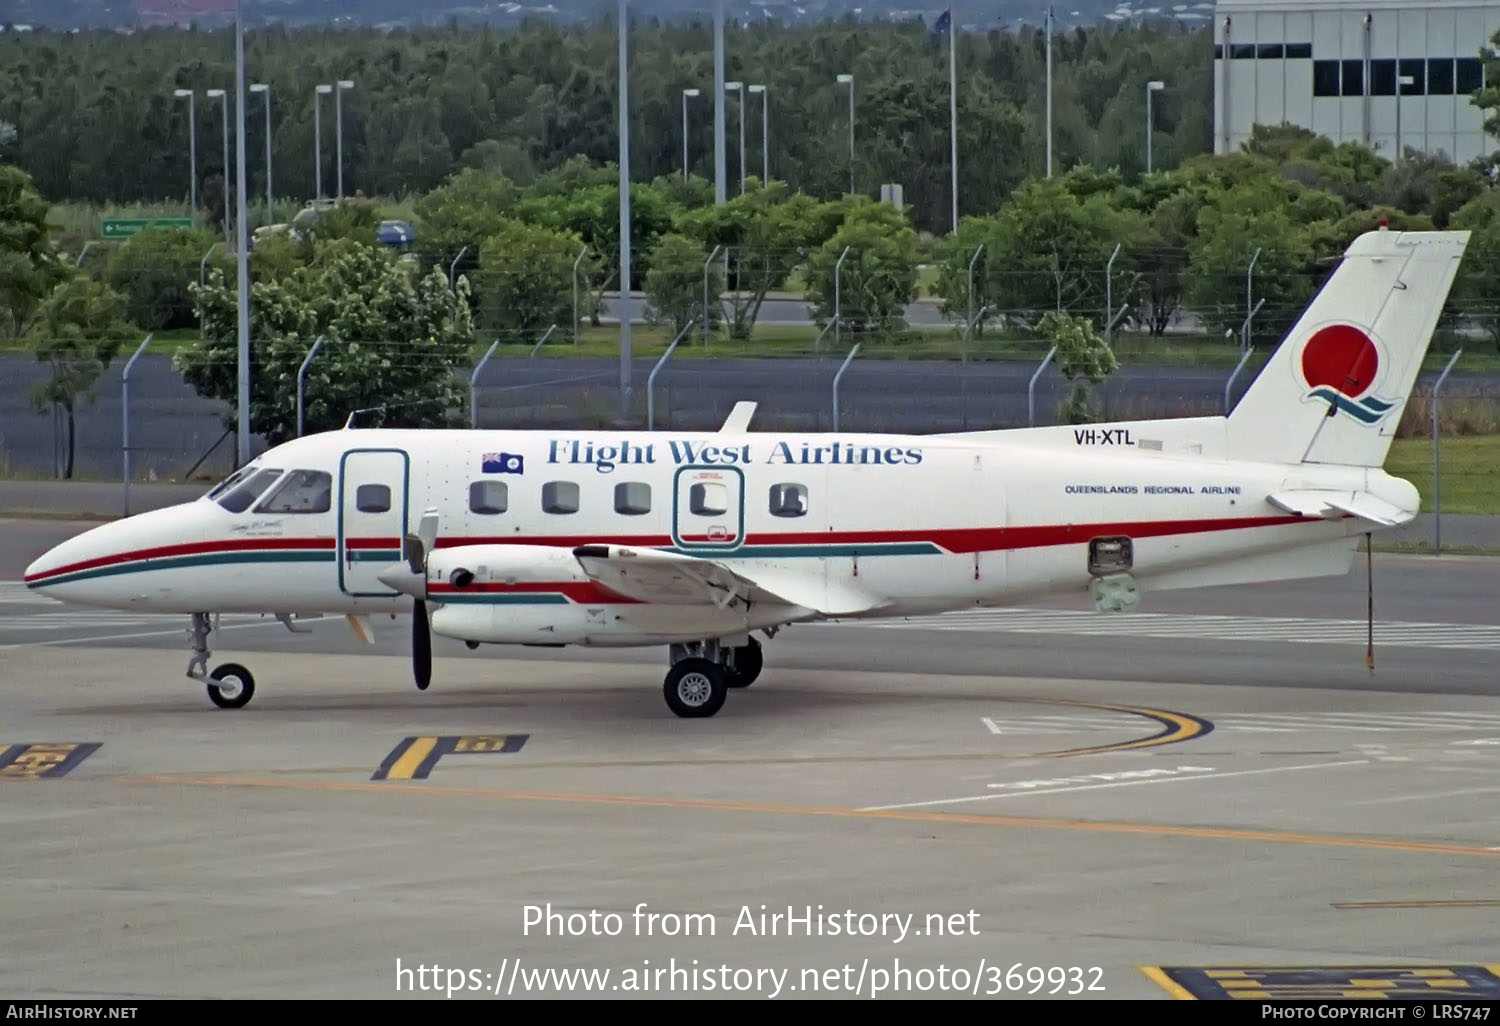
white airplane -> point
(696, 540)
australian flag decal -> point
(501, 463)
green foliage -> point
(764, 235)
(77, 331)
(675, 285)
(393, 341)
(1488, 98)
(525, 280)
(153, 269)
(1083, 359)
(1480, 268)
(878, 277)
(354, 219)
(29, 266)
(468, 208)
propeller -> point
(412, 580)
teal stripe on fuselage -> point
(177, 562)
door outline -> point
(709, 546)
(339, 551)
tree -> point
(462, 212)
(77, 332)
(29, 266)
(675, 284)
(765, 234)
(870, 290)
(153, 269)
(526, 279)
(1474, 289)
(1083, 359)
(392, 343)
(1488, 98)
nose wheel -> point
(231, 686)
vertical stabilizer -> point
(1334, 390)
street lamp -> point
(192, 145)
(687, 94)
(338, 105)
(322, 91)
(219, 94)
(765, 132)
(260, 87)
(1402, 81)
(848, 80)
(1151, 87)
(739, 87)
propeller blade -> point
(421, 646)
(416, 555)
(427, 529)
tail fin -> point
(1334, 390)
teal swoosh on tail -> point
(1367, 411)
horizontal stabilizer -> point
(1331, 505)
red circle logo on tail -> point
(1342, 357)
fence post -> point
(1109, 297)
(651, 379)
(1228, 385)
(1245, 328)
(1031, 388)
(972, 260)
(836, 378)
(125, 416)
(581, 254)
(706, 264)
(542, 342)
(202, 273)
(83, 252)
(1248, 282)
(302, 378)
(1437, 501)
(474, 384)
(970, 330)
(837, 298)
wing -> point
(672, 578)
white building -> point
(1333, 66)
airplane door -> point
(372, 517)
(708, 512)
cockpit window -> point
(303, 491)
(239, 498)
(229, 482)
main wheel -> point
(747, 663)
(695, 688)
(233, 686)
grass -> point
(1470, 481)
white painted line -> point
(991, 724)
(138, 634)
(1122, 783)
(1426, 797)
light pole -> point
(261, 87)
(687, 94)
(322, 91)
(1151, 87)
(192, 145)
(848, 80)
(765, 132)
(1402, 81)
(739, 87)
(338, 108)
(219, 94)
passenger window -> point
(372, 498)
(789, 500)
(239, 498)
(488, 497)
(560, 497)
(633, 498)
(708, 499)
(303, 491)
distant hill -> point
(973, 15)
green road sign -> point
(124, 227)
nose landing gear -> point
(230, 686)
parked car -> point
(397, 234)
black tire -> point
(237, 689)
(748, 661)
(695, 688)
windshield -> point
(229, 482)
(238, 498)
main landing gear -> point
(230, 686)
(703, 672)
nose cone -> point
(104, 566)
(400, 577)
